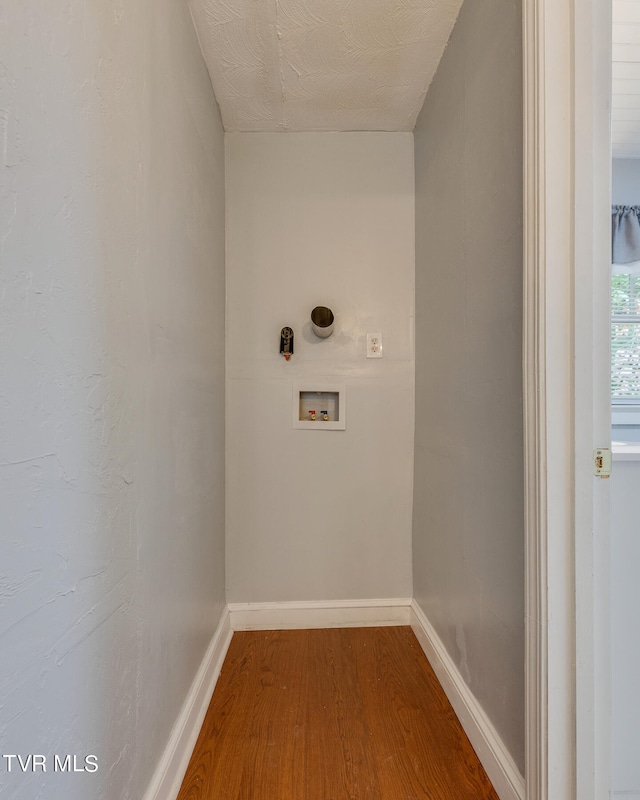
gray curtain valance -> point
(625, 234)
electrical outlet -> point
(374, 345)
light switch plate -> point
(374, 345)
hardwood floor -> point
(340, 714)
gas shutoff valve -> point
(286, 342)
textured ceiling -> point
(322, 65)
(625, 103)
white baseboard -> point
(489, 747)
(319, 614)
(173, 764)
(626, 795)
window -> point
(625, 337)
(625, 352)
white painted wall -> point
(625, 181)
(112, 390)
(319, 219)
(468, 536)
(625, 643)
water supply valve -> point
(286, 342)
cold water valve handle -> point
(286, 342)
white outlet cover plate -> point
(374, 345)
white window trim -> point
(625, 451)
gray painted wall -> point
(468, 548)
(625, 563)
(625, 646)
(625, 180)
(112, 390)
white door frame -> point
(566, 231)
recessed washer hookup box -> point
(319, 407)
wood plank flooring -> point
(340, 714)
